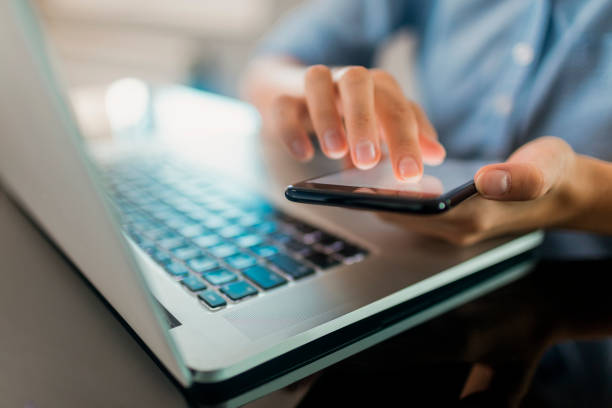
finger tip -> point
(434, 160)
(409, 169)
(304, 158)
(412, 179)
(434, 156)
(338, 154)
(365, 166)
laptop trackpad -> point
(292, 310)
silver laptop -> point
(234, 290)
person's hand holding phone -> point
(352, 110)
(535, 188)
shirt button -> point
(502, 105)
(523, 54)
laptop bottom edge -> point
(343, 343)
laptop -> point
(232, 289)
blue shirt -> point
(492, 75)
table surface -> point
(60, 346)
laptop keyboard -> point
(222, 244)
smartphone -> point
(441, 188)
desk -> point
(60, 346)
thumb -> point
(531, 171)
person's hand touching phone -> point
(352, 110)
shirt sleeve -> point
(338, 32)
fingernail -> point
(408, 168)
(365, 153)
(334, 144)
(298, 148)
(494, 183)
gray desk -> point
(60, 346)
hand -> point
(351, 109)
(533, 189)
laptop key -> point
(231, 214)
(224, 250)
(157, 233)
(264, 277)
(147, 245)
(186, 253)
(322, 260)
(298, 247)
(192, 231)
(219, 276)
(330, 244)
(240, 261)
(351, 253)
(249, 220)
(267, 227)
(177, 269)
(238, 290)
(179, 223)
(231, 231)
(160, 257)
(281, 237)
(215, 222)
(202, 264)
(212, 299)
(247, 241)
(193, 283)
(171, 243)
(290, 266)
(265, 250)
(207, 241)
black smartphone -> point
(441, 188)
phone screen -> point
(436, 180)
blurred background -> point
(204, 43)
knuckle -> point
(355, 74)
(556, 144)
(537, 184)
(382, 76)
(360, 120)
(317, 72)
